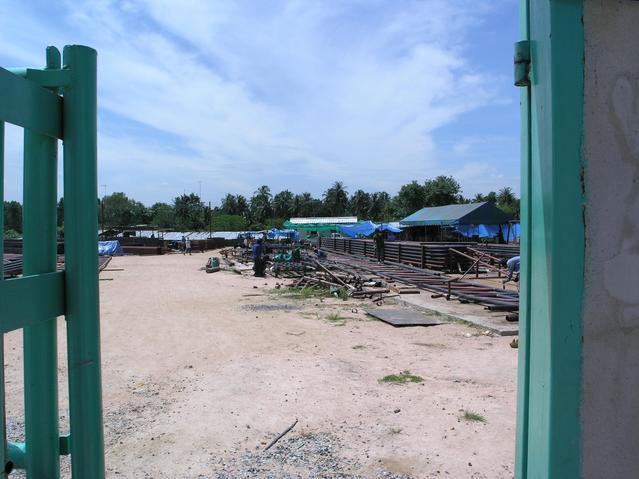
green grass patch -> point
(343, 294)
(307, 292)
(473, 416)
(401, 378)
(335, 319)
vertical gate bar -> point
(3, 411)
(40, 340)
(81, 263)
(523, 369)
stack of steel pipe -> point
(432, 255)
(442, 285)
(498, 250)
(13, 264)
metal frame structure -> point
(58, 102)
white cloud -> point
(288, 93)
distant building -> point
(321, 226)
(438, 223)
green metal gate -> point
(51, 104)
(549, 68)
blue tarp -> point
(515, 232)
(283, 234)
(490, 231)
(366, 228)
(389, 227)
(112, 248)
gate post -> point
(81, 263)
(4, 460)
(549, 67)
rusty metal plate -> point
(404, 317)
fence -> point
(52, 104)
(436, 256)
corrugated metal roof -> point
(175, 235)
(201, 235)
(470, 213)
(324, 220)
(227, 235)
(147, 234)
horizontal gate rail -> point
(19, 309)
(27, 104)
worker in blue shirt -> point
(258, 258)
(513, 265)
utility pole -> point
(200, 193)
(210, 219)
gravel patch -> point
(306, 456)
(271, 307)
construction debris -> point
(353, 276)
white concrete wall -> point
(610, 406)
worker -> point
(379, 245)
(513, 265)
(258, 258)
(187, 246)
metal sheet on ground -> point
(403, 317)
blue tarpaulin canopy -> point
(366, 228)
(389, 227)
(490, 231)
(112, 248)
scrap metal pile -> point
(237, 259)
(348, 275)
(340, 280)
(309, 271)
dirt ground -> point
(201, 371)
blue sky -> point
(290, 93)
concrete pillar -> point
(610, 328)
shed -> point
(485, 213)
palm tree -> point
(336, 199)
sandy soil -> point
(201, 371)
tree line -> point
(264, 209)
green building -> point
(319, 226)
